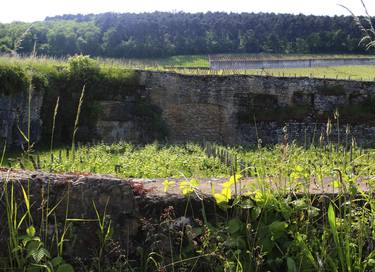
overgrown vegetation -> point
(192, 160)
(273, 224)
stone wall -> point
(14, 117)
(130, 206)
(125, 203)
(234, 109)
(225, 109)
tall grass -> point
(54, 123)
(76, 122)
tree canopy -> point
(161, 34)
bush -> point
(83, 67)
(13, 80)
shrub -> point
(13, 80)
(82, 67)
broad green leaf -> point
(234, 225)
(277, 228)
(227, 193)
(33, 245)
(65, 268)
(220, 198)
(57, 261)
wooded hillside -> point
(162, 34)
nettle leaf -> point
(39, 254)
(234, 225)
(255, 212)
(277, 229)
(33, 245)
(57, 261)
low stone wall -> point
(125, 203)
(129, 205)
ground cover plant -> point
(193, 160)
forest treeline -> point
(161, 34)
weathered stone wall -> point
(14, 117)
(125, 203)
(130, 206)
(234, 109)
(116, 122)
(225, 109)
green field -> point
(357, 72)
(264, 56)
(188, 61)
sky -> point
(36, 10)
